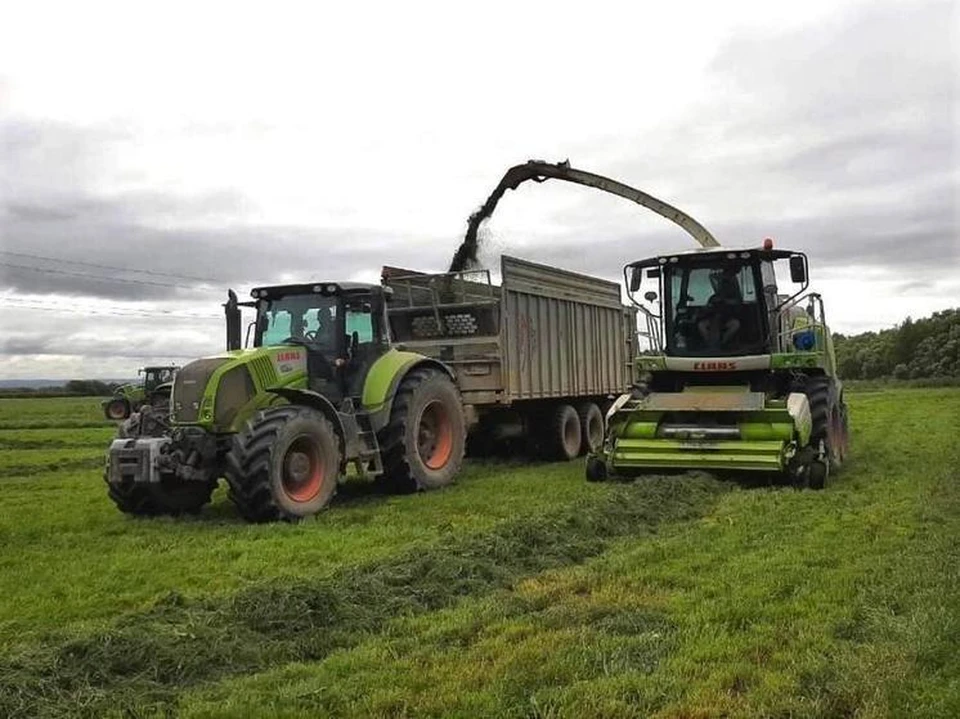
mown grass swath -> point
(154, 654)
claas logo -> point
(288, 357)
(714, 366)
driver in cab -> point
(719, 323)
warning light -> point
(768, 244)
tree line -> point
(915, 349)
(71, 388)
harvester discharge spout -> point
(540, 171)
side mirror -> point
(650, 296)
(636, 277)
(798, 269)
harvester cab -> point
(739, 374)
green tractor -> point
(319, 390)
(739, 376)
(154, 388)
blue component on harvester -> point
(805, 340)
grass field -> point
(522, 591)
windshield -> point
(310, 318)
(713, 309)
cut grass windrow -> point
(145, 660)
(19, 471)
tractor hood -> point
(212, 391)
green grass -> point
(522, 591)
(56, 438)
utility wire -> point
(152, 314)
(156, 273)
(100, 278)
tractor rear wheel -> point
(171, 496)
(565, 436)
(423, 445)
(117, 409)
(591, 427)
(283, 465)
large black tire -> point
(591, 427)
(117, 409)
(284, 465)
(564, 435)
(424, 442)
(829, 431)
(171, 496)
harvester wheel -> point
(423, 445)
(117, 409)
(171, 496)
(565, 437)
(838, 437)
(828, 433)
(591, 427)
(596, 470)
(283, 465)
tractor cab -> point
(723, 303)
(341, 325)
(153, 377)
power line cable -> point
(156, 273)
(150, 314)
(100, 278)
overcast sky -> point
(215, 146)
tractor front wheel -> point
(423, 445)
(171, 496)
(284, 465)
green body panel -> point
(384, 375)
(271, 368)
(698, 454)
(767, 434)
(798, 360)
(263, 364)
(649, 363)
(133, 393)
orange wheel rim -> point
(435, 435)
(303, 472)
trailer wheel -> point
(284, 465)
(117, 409)
(171, 496)
(591, 427)
(565, 437)
(424, 443)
